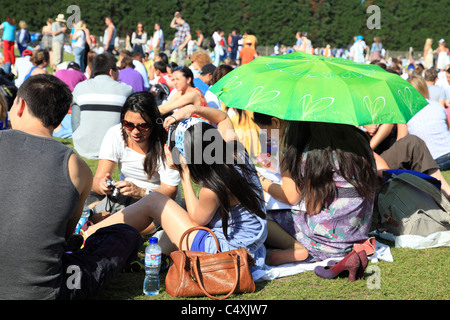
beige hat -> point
(60, 18)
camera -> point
(116, 191)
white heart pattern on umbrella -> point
(374, 106)
(407, 98)
(231, 84)
(310, 106)
(258, 96)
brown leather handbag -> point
(195, 273)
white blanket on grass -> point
(382, 252)
(437, 239)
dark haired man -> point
(97, 105)
(43, 187)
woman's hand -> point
(169, 159)
(180, 115)
(171, 164)
(128, 188)
(267, 162)
(103, 186)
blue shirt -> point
(8, 31)
(4, 124)
(198, 83)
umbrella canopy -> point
(305, 87)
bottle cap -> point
(153, 240)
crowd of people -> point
(145, 109)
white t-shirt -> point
(443, 83)
(430, 125)
(217, 38)
(81, 40)
(131, 162)
(23, 65)
(158, 35)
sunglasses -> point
(143, 127)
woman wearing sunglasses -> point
(230, 200)
(136, 145)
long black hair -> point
(314, 151)
(144, 103)
(229, 174)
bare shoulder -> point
(80, 173)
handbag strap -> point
(200, 281)
(187, 232)
(427, 187)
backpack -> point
(411, 203)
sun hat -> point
(60, 18)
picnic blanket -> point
(382, 252)
(434, 240)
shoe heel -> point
(352, 272)
(364, 262)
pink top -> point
(70, 76)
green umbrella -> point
(305, 87)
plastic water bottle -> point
(84, 217)
(152, 267)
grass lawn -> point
(414, 275)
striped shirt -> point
(97, 106)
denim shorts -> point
(443, 162)
(199, 241)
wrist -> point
(146, 191)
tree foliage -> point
(404, 23)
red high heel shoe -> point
(364, 262)
(367, 248)
(350, 263)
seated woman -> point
(136, 145)
(229, 201)
(431, 125)
(330, 169)
(40, 61)
(186, 94)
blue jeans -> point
(79, 58)
(444, 162)
(217, 56)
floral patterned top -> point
(333, 231)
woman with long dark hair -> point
(230, 200)
(136, 145)
(329, 170)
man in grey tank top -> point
(43, 188)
